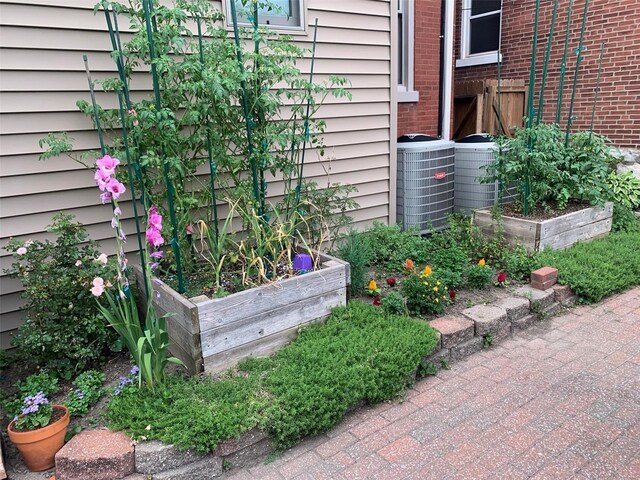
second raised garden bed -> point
(558, 233)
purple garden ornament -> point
(302, 262)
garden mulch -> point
(559, 400)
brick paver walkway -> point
(560, 400)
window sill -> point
(478, 60)
(410, 96)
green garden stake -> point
(306, 116)
(167, 178)
(96, 115)
(563, 64)
(245, 108)
(577, 70)
(546, 62)
(530, 110)
(212, 164)
(597, 90)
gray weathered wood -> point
(557, 233)
(253, 327)
(583, 233)
(262, 347)
(223, 311)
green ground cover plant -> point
(598, 268)
(359, 354)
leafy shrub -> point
(624, 188)
(425, 294)
(598, 268)
(32, 385)
(390, 246)
(479, 276)
(63, 331)
(359, 354)
(450, 261)
(355, 249)
(518, 263)
(624, 220)
(394, 304)
(88, 390)
(557, 172)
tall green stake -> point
(530, 109)
(577, 70)
(595, 97)
(245, 108)
(175, 243)
(546, 62)
(94, 104)
(212, 164)
(563, 64)
(306, 115)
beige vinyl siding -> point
(42, 76)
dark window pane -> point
(484, 6)
(485, 34)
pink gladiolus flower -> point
(114, 222)
(105, 197)
(101, 179)
(108, 164)
(97, 290)
(157, 254)
(117, 212)
(154, 265)
(154, 237)
(155, 219)
(21, 251)
(102, 259)
(115, 188)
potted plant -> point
(39, 431)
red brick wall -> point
(422, 116)
(615, 21)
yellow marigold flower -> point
(435, 289)
(437, 300)
(373, 285)
(427, 270)
(481, 262)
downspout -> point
(447, 66)
(443, 6)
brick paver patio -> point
(560, 400)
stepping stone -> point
(564, 294)
(516, 307)
(96, 455)
(467, 348)
(488, 319)
(540, 299)
(453, 330)
(524, 322)
(153, 457)
(245, 450)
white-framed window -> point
(406, 92)
(280, 15)
(480, 32)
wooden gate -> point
(476, 107)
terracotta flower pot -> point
(38, 447)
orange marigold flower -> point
(372, 285)
(481, 262)
(408, 264)
(427, 271)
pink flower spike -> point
(108, 164)
(115, 188)
(101, 179)
(155, 219)
(154, 237)
(105, 197)
(21, 251)
(157, 254)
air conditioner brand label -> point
(440, 175)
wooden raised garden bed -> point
(215, 334)
(558, 233)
